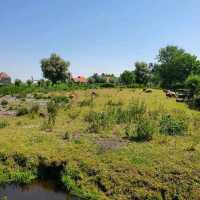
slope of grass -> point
(166, 167)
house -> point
(4, 79)
(80, 79)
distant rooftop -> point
(80, 79)
(4, 78)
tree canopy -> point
(127, 77)
(175, 65)
(55, 68)
(142, 73)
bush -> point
(195, 103)
(107, 85)
(170, 125)
(193, 83)
(29, 82)
(3, 124)
(52, 112)
(97, 121)
(18, 82)
(61, 99)
(66, 136)
(134, 112)
(143, 130)
(4, 102)
(22, 111)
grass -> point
(165, 167)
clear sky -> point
(94, 35)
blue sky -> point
(94, 35)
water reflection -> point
(43, 190)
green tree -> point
(127, 77)
(142, 73)
(193, 83)
(175, 65)
(29, 82)
(17, 82)
(55, 68)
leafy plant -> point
(4, 102)
(22, 111)
(3, 124)
(52, 112)
(97, 121)
(170, 125)
(61, 99)
(143, 130)
(66, 136)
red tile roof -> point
(80, 79)
(3, 76)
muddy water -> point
(37, 191)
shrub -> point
(4, 102)
(61, 99)
(20, 159)
(23, 177)
(195, 103)
(134, 112)
(143, 130)
(3, 124)
(52, 112)
(18, 82)
(22, 111)
(29, 82)
(66, 136)
(97, 121)
(107, 85)
(193, 83)
(170, 125)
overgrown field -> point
(105, 144)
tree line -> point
(174, 67)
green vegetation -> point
(126, 144)
(55, 69)
(106, 139)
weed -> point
(22, 111)
(3, 124)
(143, 130)
(170, 125)
(97, 121)
(66, 136)
(60, 99)
(52, 112)
(4, 102)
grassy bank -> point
(107, 144)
